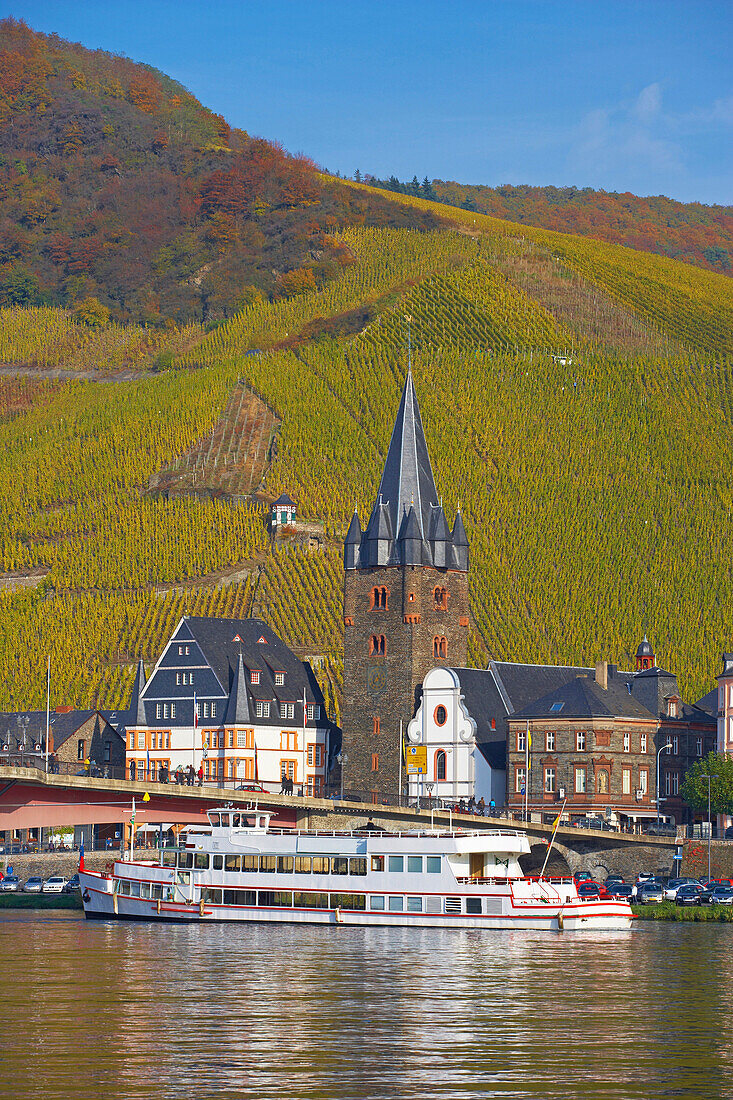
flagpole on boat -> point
(552, 838)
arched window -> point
(440, 597)
(440, 765)
(377, 645)
(378, 599)
(440, 647)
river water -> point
(91, 1009)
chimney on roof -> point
(66, 709)
(602, 674)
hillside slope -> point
(689, 231)
(117, 184)
(577, 399)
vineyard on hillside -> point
(582, 418)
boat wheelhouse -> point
(241, 869)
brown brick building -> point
(405, 605)
(596, 739)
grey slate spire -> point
(407, 479)
(409, 540)
(352, 543)
(460, 545)
(136, 709)
(379, 535)
(238, 709)
(440, 539)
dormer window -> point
(279, 679)
(672, 708)
(254, 676)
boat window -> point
(185, 859)
(302, 865)
(285, 865)
(225, 820)
(183, 878)
(144, 889)
(414, 905)
(157, 891)
(250, 863)
(395, 863)
(377, 863)
(235, 821)
(240, 897)
(348, 901)
(232, 863)
(248, 822)
(268, 863)
(432, 865)
(414, 864)
(282, 898)
(167, 893)
(376, 901)
(452, 905)
(396, 905)
(321, 865)
(215, 819)
(339, 865)
(169, 858)
(357, 866)
(217, 862)
(211, 895)
(473, 905)
(134, 889)
(309, 899)
(201, 861)
(123, 886)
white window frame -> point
(627, 743)
(550, 778)
(550, 741)
(580, 741)
(581, 786)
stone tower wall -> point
(386, 686)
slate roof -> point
(284, 500)
(709, 703)
(520, 684)
(63, 725)
(407, 478)
(582, 697)
(406, 524)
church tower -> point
(405, 605)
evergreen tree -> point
(357, 176)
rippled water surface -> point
(133, 1010)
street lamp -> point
(710, 823)
(665, 748)
(342, 759)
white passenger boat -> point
(240, 869)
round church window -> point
(441, 715)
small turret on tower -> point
(645, 656)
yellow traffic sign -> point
(417, 760)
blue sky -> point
(626, 95)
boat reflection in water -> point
(240, 869)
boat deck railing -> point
(495, 880)
(411, 834)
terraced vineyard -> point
(583, 420)
(233, 458)
(50, 338)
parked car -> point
(72, 885)
(54, 884)
(256, 787)
(588, 889)
(620, 890)
(10, 884)
(33, 885)
(729, 833)
(673, 885)
(715, 894)
(688, 894)
(661, 829)
(583, 876)
(650, 893)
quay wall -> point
(695, 859)
(46, 864)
